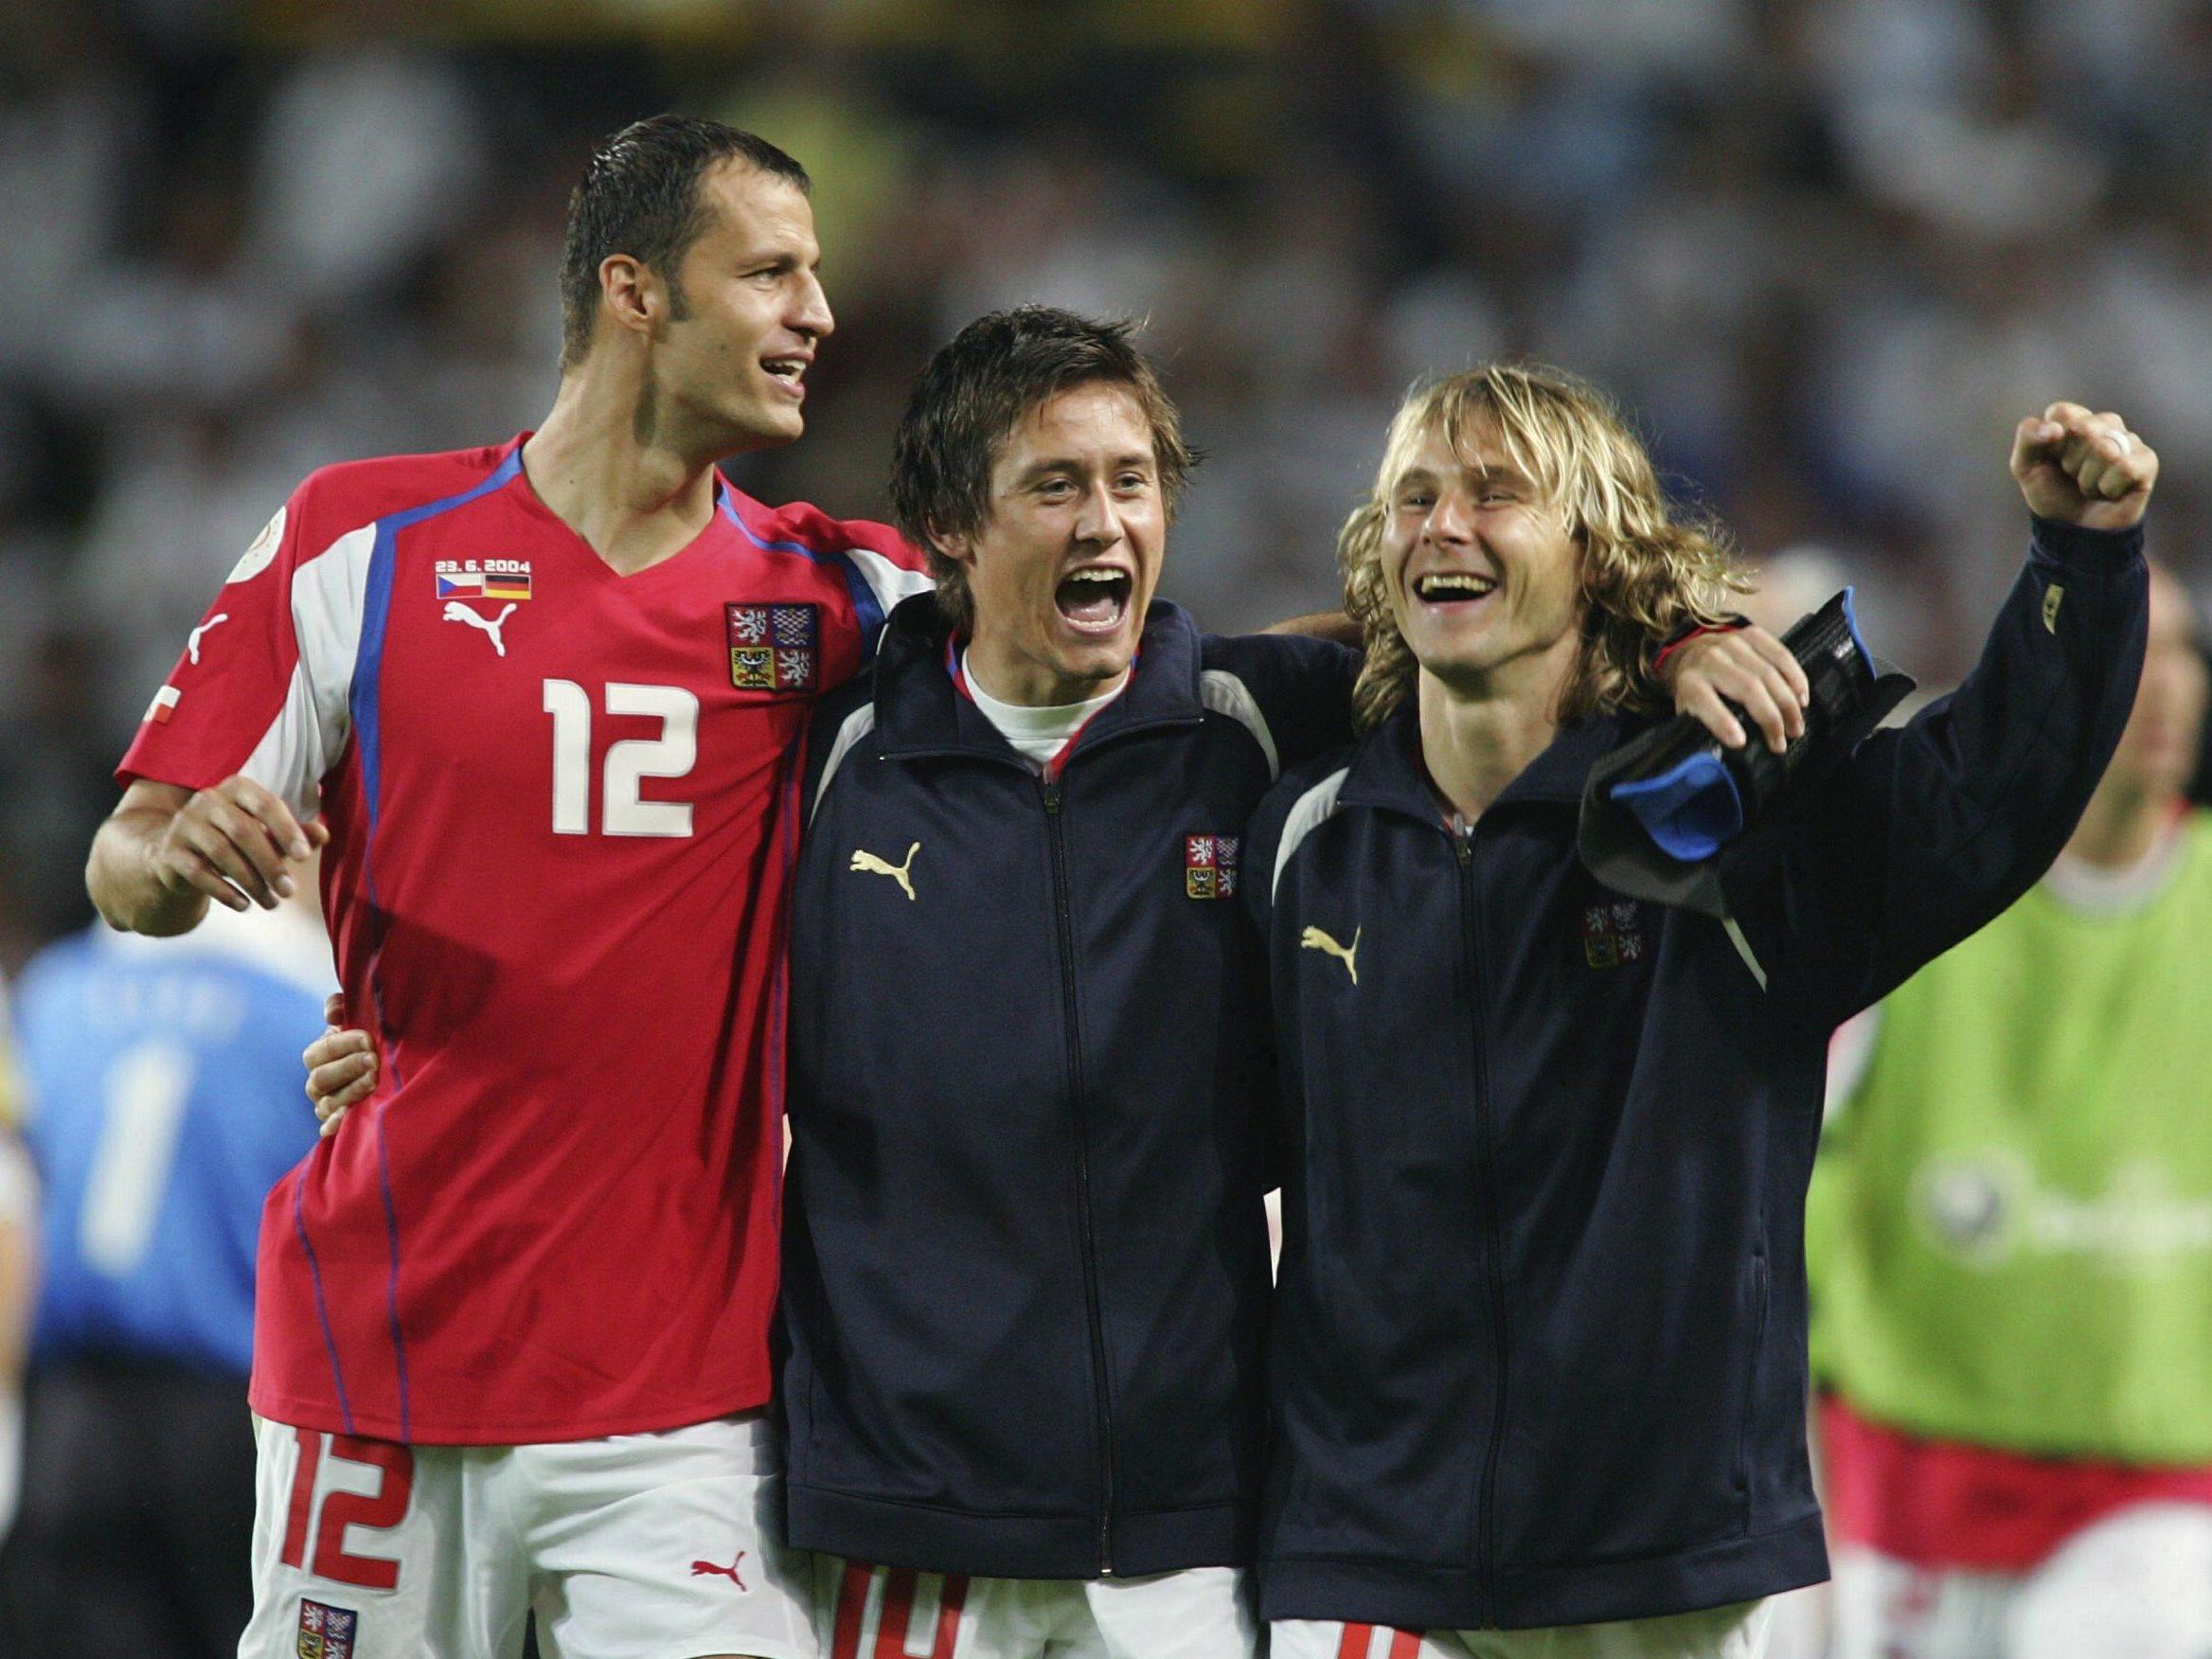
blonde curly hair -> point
(1647, 568)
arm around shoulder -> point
(1299, 685)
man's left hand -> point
(341, 1068)
(1750, 668)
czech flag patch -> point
(483, 578)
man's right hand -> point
(167, 851)
(341, 1068)
(235, 844)
(2083, 469)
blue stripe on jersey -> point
(867, 610)
(376, 609)
(367, 680)
(314, 1269)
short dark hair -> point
(639, 195)
(979, 386)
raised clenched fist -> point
(2083, 469)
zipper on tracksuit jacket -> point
(1486, 1155)
(1056, 836)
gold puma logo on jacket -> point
(1314, 939)
(876, 867)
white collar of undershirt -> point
(2106, 891)
(1038, 734)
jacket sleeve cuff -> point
(2083, 551)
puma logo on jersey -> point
(1314, 939)
(876, 867)
(192, 639)
(456, 612)
(701, 1569)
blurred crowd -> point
(1827, 251)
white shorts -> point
(896, 1613)
(658, 1546)
(2135, 1585)
(1718, 1633)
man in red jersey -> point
(511, 1342)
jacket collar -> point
(1388, 772)
(919, 711)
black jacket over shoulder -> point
(1025, 1268)
(1539, 1356)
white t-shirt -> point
(1037, 734)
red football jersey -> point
(562, 825)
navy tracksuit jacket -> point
(1539, 1352)
(1026, 1273)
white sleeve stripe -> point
(288, 759)
(1307, 815)
(857, 725)
(1224, 693)
(888, 580)
(303, 743)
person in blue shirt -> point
(161, 1103)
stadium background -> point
(1827, 251)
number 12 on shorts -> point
(376, 1510)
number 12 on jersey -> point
(628, 762)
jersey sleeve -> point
(887, 570)
(262, 683)
(882, 569)
(886, 544)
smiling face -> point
(746, 311)
(1064, 565)
(1478, 570)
